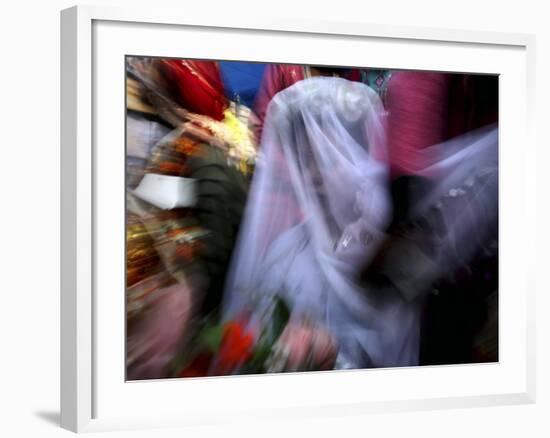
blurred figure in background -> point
(189, 198)
(433, 119)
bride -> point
(316, 214)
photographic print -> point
(294, 218)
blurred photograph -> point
(294, 218)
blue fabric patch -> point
(241, 80)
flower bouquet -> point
(236, 346)
(244, 346)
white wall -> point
(29, 284)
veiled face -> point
(321, 182)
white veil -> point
(317, 211)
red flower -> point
(236, 347)
(198, 366)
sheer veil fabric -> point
(317, 212)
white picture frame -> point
(91, 326)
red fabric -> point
(418, 106)
(195, 85)
(198, 367)
(277, 77)
(354, 75)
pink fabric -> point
(308, 345)
(153, 342)
(277, 77)
(418, 118)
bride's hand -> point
(307, 347)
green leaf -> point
(256, 364)
(280, 317)
(210, 338)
